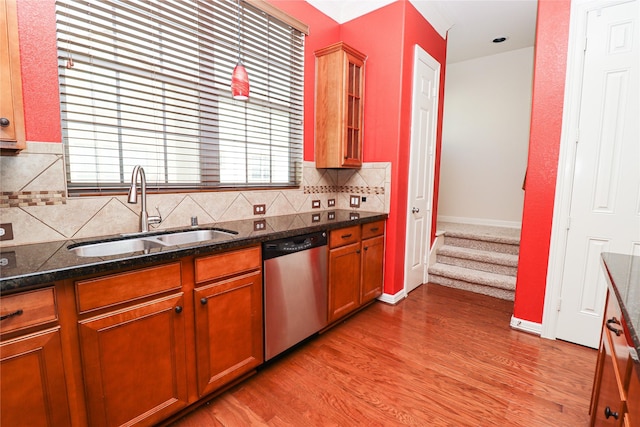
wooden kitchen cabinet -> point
(372, 261)
(12, 132)
(614, 371)
(228, 313)
(339, 106)
(356, 256)
(133, 346)
(33, 391)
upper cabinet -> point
(339, 106)
(12, 135)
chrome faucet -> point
(145, 219)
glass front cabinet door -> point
(339, 106)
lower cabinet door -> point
(609, 407)
(344, 280)
(229, 337)
(372, 269)
(134, 364)
(32, 385)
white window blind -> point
(148, 82)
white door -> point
(604, 213)
(426, 77)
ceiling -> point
(471, 24)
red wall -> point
(552, 35)
(38, 59)
(387, 36)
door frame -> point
(420, 54)
(566, 160)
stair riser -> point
(477, 265)
(472, 287)
(482, 245)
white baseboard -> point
(480, 221)
(393, 299)
(526, 326)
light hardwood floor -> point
(441, 357)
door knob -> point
(415, 210)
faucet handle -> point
(155, 219)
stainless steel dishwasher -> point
(295, 290)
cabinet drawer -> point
(34, 308)
(105, 291)
(620, 346)
(226, 264)
(372, 229)
(344, 236)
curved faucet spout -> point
(145, 219)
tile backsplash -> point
(33, 199)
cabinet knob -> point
(179, 309)
(4, 122)
(609, 413)
(203, 301)
(358, 251)
(366, 248)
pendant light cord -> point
(239, 34)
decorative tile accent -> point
(18, 199)
(351, 189)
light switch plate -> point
(331, 215)
(315, 204)
(331, 202)
(354, 201)
(315, 217)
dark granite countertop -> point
(31, 266)
(623, 274)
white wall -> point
(485, 138)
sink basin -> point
(193, 236)
(144, 243)
(116, 247)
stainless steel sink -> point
(147, 242)
(193, 236)
(115, 247)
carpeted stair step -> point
(496, 285)
(487, 238)
(492, 262)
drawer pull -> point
(346, 236)
(618, 332)
(15, 313)
(374, 229)
(609, 413)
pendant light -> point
(239, 78)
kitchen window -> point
(148, 82)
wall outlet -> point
(315, 204)
(331, 215)
(259, 225)
(6, 231)
(259, 209)
(331, 202)
(354, 201)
